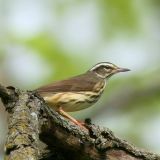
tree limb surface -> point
(37, 132)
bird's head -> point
(107, 69)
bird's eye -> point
(108, 67)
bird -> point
(79, 92)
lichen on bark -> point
(37, 132)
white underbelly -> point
(70, 101)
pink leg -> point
(63, 113)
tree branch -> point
(37, 132)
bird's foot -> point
(79, 123)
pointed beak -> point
(123, 69)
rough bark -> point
(37, 132)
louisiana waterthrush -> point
(79, 92)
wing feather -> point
(84, 82)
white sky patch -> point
(113, 122)
(26, 18)
(131, 53)
(24, 66)
(151, 133)
(77, 29)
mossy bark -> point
(37, 132)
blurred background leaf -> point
(45, 41)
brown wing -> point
(84, 82)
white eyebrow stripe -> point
(101, 64)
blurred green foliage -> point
(118, 16)
(134, 98)
(57, 58)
